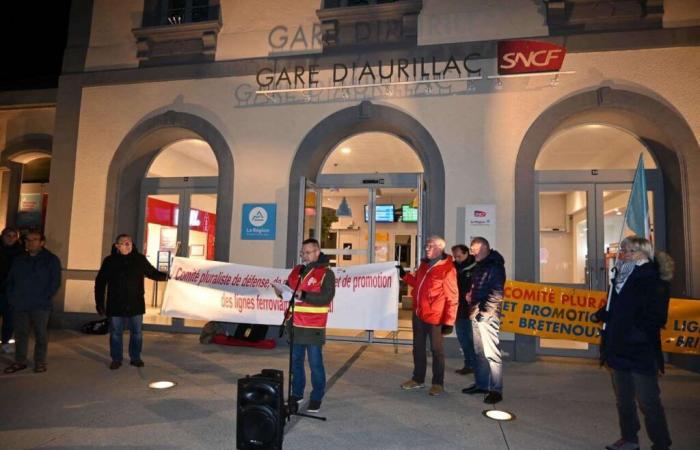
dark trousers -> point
(24, 322)
(629, 386)
(465, 336)
(116, 333)
(421, 332)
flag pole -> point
(624, 223)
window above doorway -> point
(178, 31)
(350, 24)
(583, 16)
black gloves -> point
(402, 271)
(447, 329)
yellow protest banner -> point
(565, 313)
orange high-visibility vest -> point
(307, 315)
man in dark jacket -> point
(486, 296)
(464, 264)
(34, 278)
(122, 274)
(314, 286)
(10, 248)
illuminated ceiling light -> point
(343, 209)
(11, 341)
(555, 81)
(499, 83)
(471, 86)
(617, 212)
(346, 94)
(499, 415)
(388, 92)
(346, 150)
(161, 384)
(429, 89)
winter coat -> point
(435, 291)
(464, 283)
(631, 340)
(33, 281)
(123, 276)
(315, 298)
(7, 256)
(488, 279)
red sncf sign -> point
(478, 213)
(528, 57)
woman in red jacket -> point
(434, 312)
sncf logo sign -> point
(528, 57)
(478, 213)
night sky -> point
(33, 40)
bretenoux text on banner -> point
(565, 313)
(366, 296)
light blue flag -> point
(637, 208)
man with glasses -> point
(314, 286)
(434, 311)
(122, 275)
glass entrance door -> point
(178, 219)
(361, 219)
(579, 228)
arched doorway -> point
(584, 177)
(170, 186)
(318, 145)
(621, 119)
(25, 168)
(372, 197)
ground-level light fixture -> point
(11, 341)
(498, 414)
(161, 384)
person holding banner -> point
(122, 274)
(486, 296)
(314, 285)
(434, 312)
(631, 340)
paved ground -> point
(80, 404)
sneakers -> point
(411, 384)
(622, 444)
(114, 365)
(6, 348)
(493, 397)
(137, 363)
(314, 406)
(436, 390)
(464, 371)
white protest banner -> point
(366, 296)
